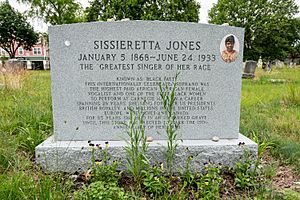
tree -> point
(269, 25)
(294, 47)
(164, 10)
(14, 30)
(55, 11)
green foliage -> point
(288, 151)
(7, 152)
(55, 11)
(29, 137)
(167, 95)
(4, 160)
(29, 107)
(25, 118)
(188, 177)
(137, 145)
(294, 51)
(155, 182)
(270, 26)
(246, 174)
(208, 184)
(263, 143)
(54, 186)
(292, 98)
(102, 190)
(15, 31)
(174, 10)
(291, 194)
(23, 186)
(269, 171)
(102, 170)
(16, 187)
(265, 114)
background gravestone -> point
(100, 69)
(249, 71)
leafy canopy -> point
(15, 31)
(270, 26)
(164, 10)
(55, 11)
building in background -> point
(35, 58)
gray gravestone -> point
(96, 78)
(99, 70)
(249, 70)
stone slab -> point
(71, 156)
(100, 69)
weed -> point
(292, 98)
(188, 177)
(269, 171)
(28, 138)
(7, 152)
(102, 170)
(246, 174)
(4, 161)
(137, 145)
(52, 187)
(167, 95)
(16, 187)
(288, 152)
(102, 190)
(208, 184)
(263, 143)
(23, 186)
(154, 181)
(290, 194)
(14, 74)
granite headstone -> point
(101, 69)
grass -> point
(270, 111)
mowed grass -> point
(270, 112)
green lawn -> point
(270, 114)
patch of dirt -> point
(285, 176)
(227, 188)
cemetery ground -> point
(270, 115)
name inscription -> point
(111, 100)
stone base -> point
(71, 156)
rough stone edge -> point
(72, 156)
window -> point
(20, 51)
(37, 50)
